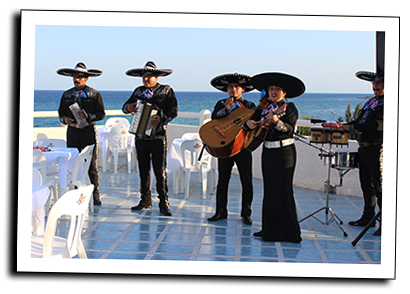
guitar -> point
(254, 138)
(219, 134)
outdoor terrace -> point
(113, 231)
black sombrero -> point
(149, 67)
(368, 76)
(290, 84)
(79, 69)
(221, 82)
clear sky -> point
(326, 61)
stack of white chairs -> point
(121, 142)
(79, 177)
(51, 181)
(190, 151)
(73, 204)
(117, 121)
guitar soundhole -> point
(222, 142)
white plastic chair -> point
(79, 177)
(190, 136)
(37, 180)
(120, 142)
(117, 121)
(51, 142)
(190, 150)
(49, 181)
(74, 204)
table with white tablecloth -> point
(40, 195)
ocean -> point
(326, 106)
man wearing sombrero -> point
(235, 84)
(153, 148)
(369, 130)
(90, 102)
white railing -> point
(203, 116)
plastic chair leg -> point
(115, 161)
(129, 160)
(187, 177)
(204, 183)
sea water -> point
(326, 106)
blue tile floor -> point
(113, 231)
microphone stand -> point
(327, 208)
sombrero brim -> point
(293, 86)
(138, 72)
(221, 82)
(366, 75)
(69, 72)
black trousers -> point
(279, 214)
(80, 138)
(154, 151)
(370, 178)
(243, 161)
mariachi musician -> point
(369, 129)
(279, 214)
(153, 148)
(235, 84)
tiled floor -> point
(116, 232)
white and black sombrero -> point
(293, 86)
(149, 67)
(368, 76)
(79, 69)
(221, 82)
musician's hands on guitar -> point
(251, 124)
(155, 121)
(272, 117)
(131, 107)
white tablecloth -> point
(65, 158)
(39, 197)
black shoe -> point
(142, 205)
(361, 223)
(164, 208)
(258, 234)
(217, 216)
(97, 202)
(378, 232)
(247, 220)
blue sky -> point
(325, 60)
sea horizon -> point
(327, 106)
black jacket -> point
(369, 124)
(93, 104)
(164, 99)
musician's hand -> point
(155, 121)
(131, 107)
(229, 103)
(68, 120)
(251, 124)
(272, 117)
(81, 114)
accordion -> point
(140, 124)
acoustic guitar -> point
(219, 135)
(254, 138)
